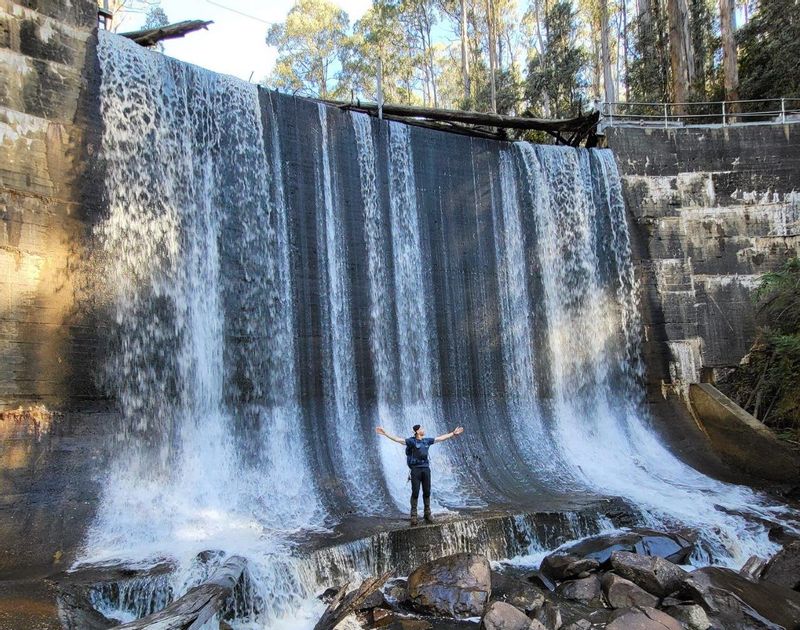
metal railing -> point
(761, 111)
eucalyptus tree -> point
(381, 35)
(312, 45)
(558, 71)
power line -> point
(232, 10)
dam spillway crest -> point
(282, 277)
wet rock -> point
(396, 590)
(454, 586)
(672, 547)
(753, 568)
(549, 615)
(541, 580)
(784, 567)
(586, 590)
(643, 618)
(503, 616)
(517, 592)
(381, 617)
(733, 601)
(76, 611)
(350, 622)
(559, 567)
(654, 574)
(373, 600)
(692, 616)
(328, 594)
(622, 593)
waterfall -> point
(278, 278)
(203, 369)
(343, 414)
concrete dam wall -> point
(257, 281)
(711, 209)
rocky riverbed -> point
(638, 580)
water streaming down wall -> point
(283, 277)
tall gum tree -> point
(311, 44)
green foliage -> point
(381, 34)
(766, 384)
(508, 91)
(312, 44)
(555, 75)
(769, 51)
(648, 71)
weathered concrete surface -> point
(48, 341)
(741, 439)
(710, 210)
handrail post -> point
(665, 116)
(723, 114)
(783, 110)
(380, 89)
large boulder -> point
(516, 591)
(643, 618)
(559, 567)
(646, 542)
(784, 567)
(549, 615)
(654, 574)
(622, 593)
(454, 586)
(586, 590)
(692, 616)
(734, 602)
(503, 616)
(396, 590)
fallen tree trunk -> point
(342, 605)
(198, 605)
(151, 36)
(476, 118)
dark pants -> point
(423, 476)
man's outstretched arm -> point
(393, 438)
(452, 434)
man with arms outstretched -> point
(417, 460)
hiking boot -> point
(427, 513)
(413, 513)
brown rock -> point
(655, 575)
(396, 590)
(622, 593)
(503, 616)
(581, 624)
(549, 615)
(733, 601)
(559, 567)
(784, 567)
(643, 618)
(454, 586)
(517, 592)
(753, 568)
(690, 615)
(381, 617)
(586, 590)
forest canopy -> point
(547, 58)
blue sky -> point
(234, 44)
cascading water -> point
(280, 279)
